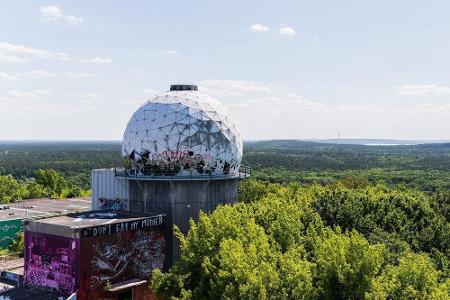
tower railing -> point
(136, 174)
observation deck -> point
(136, 174)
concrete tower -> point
(183, 153)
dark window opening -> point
(125, 295)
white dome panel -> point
(183, 131)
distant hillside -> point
(364, 142)
(307, 155)
(378, 141)
(389, 146)
(426, 166)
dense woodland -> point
(347, 240)
(424, 167)
(74, 160)
(317, 221)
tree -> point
(18, 245)
(285, 242)
(407, 214)
(415, 277)
(296, 275)
(254, 190)
(345, 265)
(52, 181)
(354, 182)
(9, 189)
(227, 255)
(34, 190)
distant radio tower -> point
(339, 135)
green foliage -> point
(310, 156)
(34, 190)
(422, 167)
(18, 245)
(227, 255)
(231, 256)
(345, 265)
(48, 183)
(354, 182)
(441, 203)
(406, 214)
(296, 275)
(415, 277)
(75, 160)
(254, 191)
(425, 180)
(9, 189)
(52, 181)
(286, 242)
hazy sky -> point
(77, 70)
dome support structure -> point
(183, 153)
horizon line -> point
(247, 140)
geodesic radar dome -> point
(183, 132)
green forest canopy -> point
(425, 167)
(342, 241)
(321, 221)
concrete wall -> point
(181, 200)
(109, 191)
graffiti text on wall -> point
(50, 262)
(171, 161)
(6, 227)
(114, 258)
(123, 226)
(8, 231)
(114, 204)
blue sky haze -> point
(77, 70)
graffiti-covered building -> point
(182, 154)
(96, 255)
